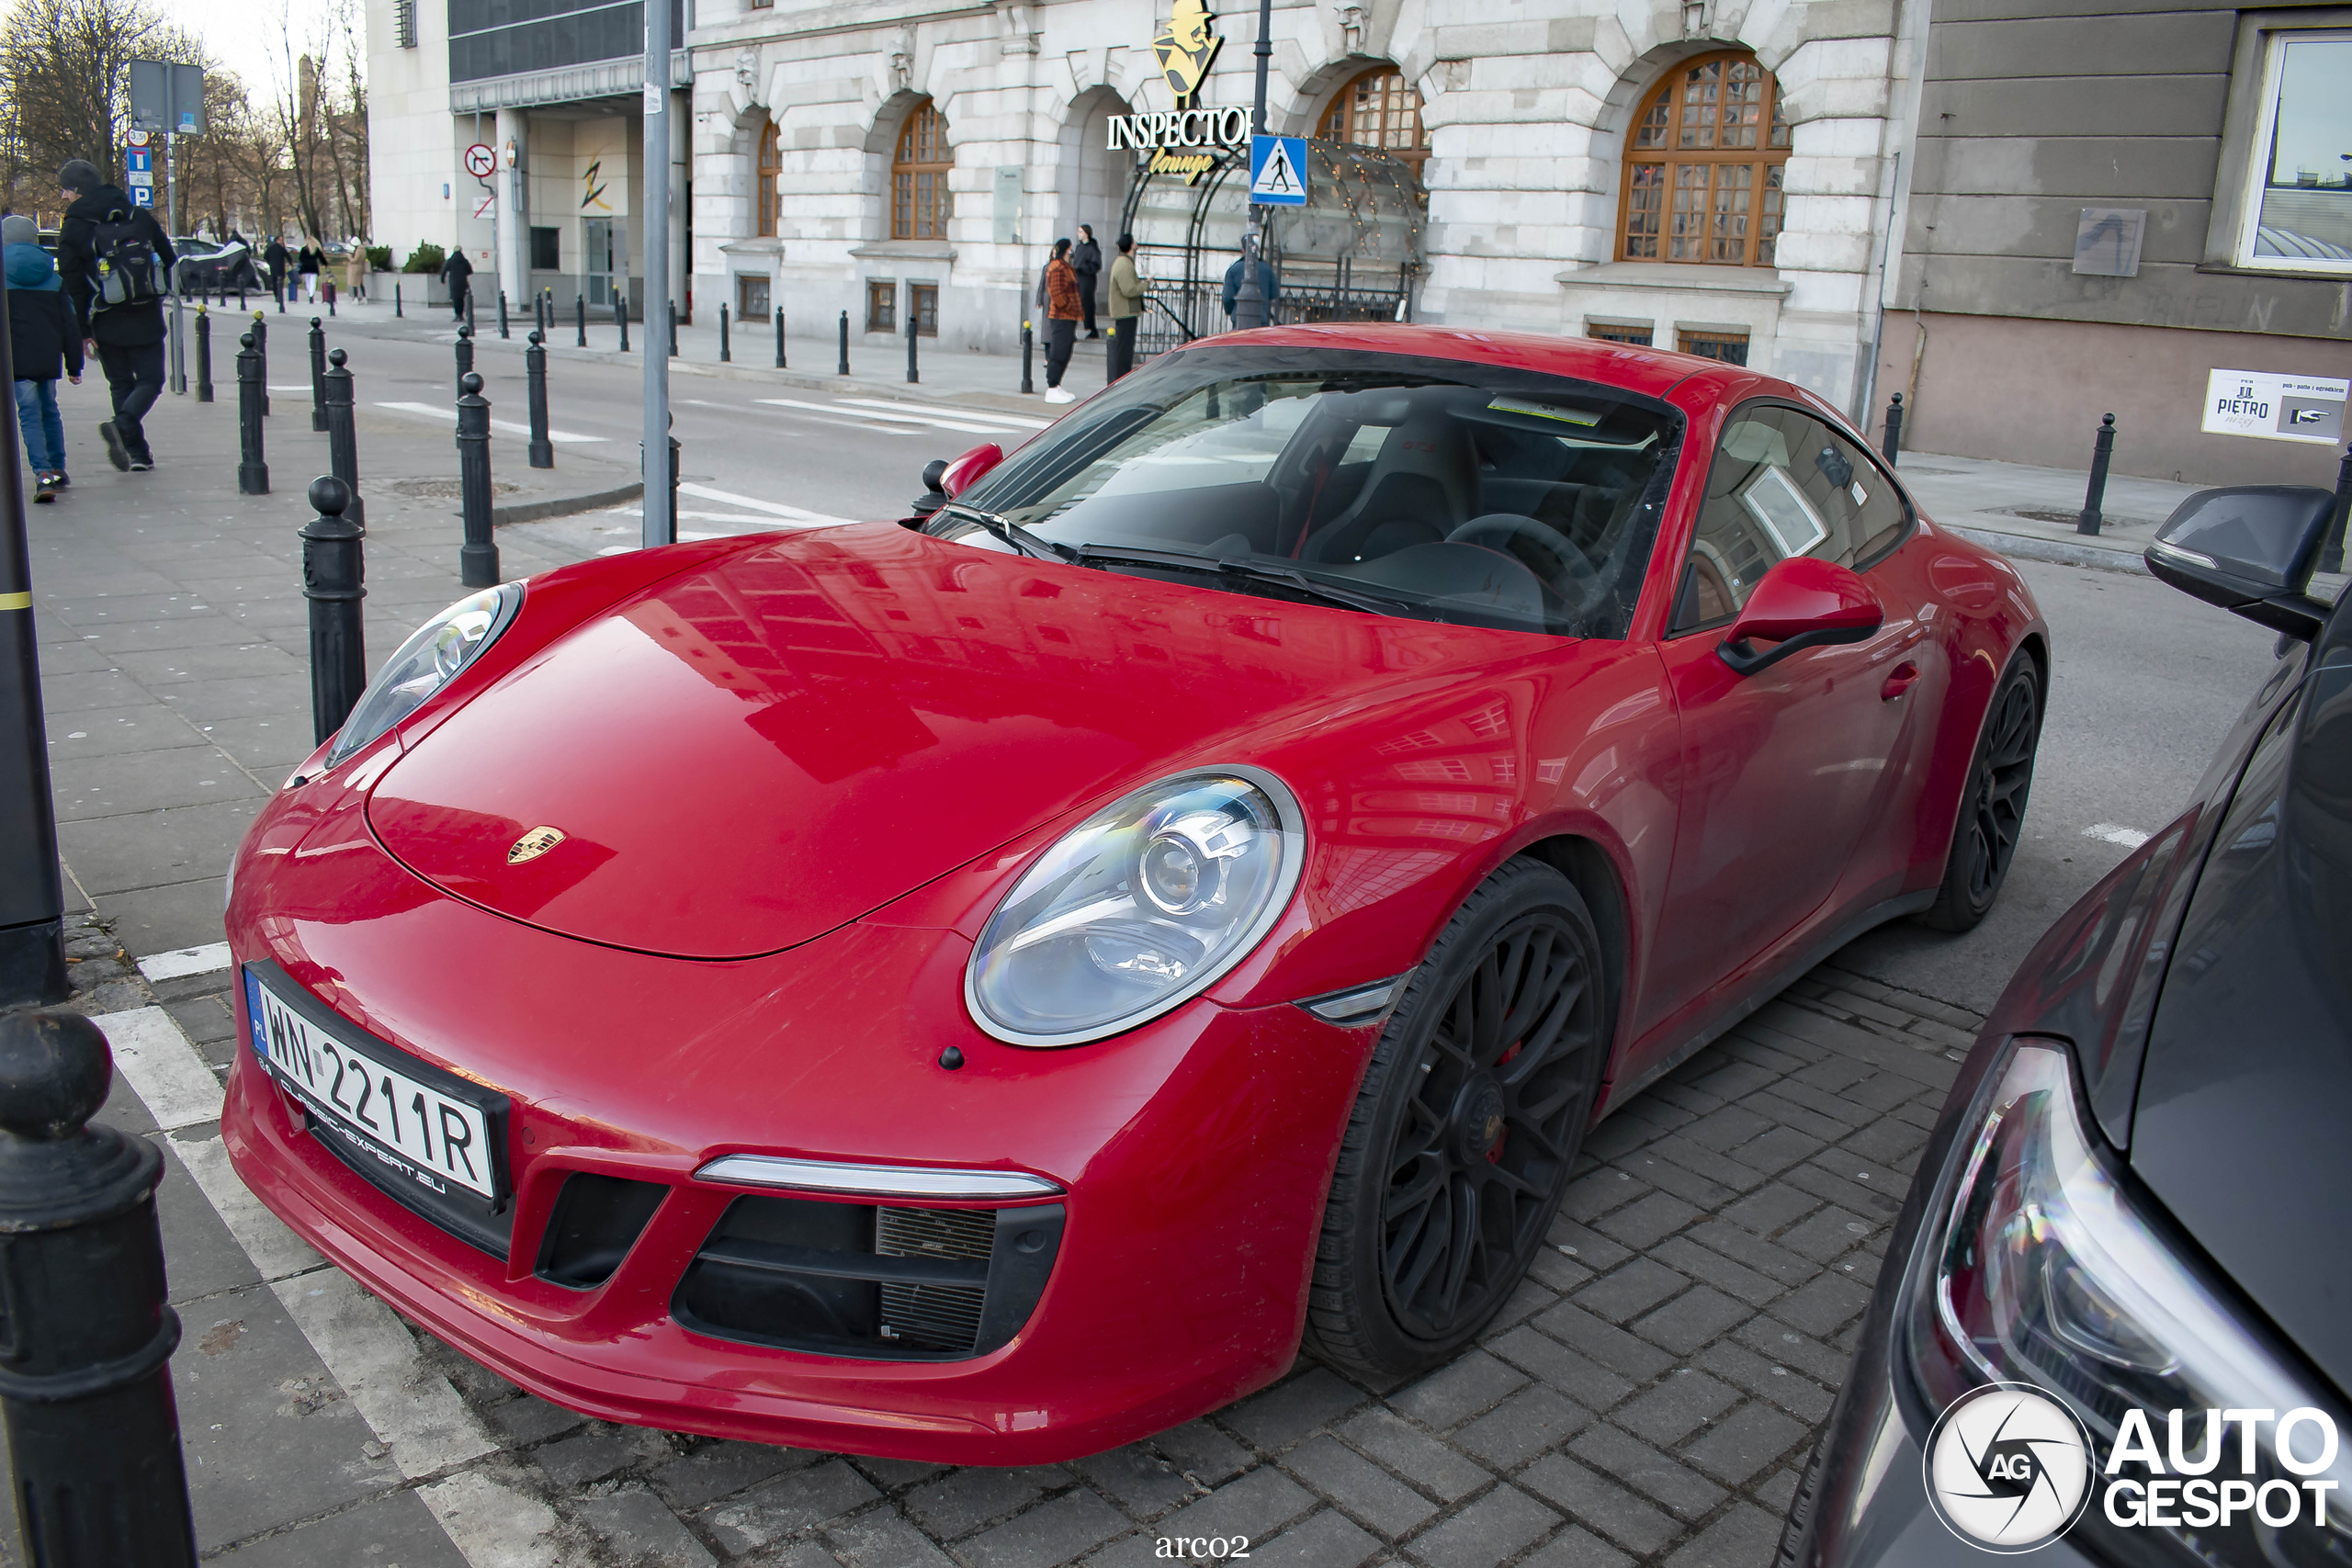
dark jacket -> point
(1266, 285)
(275, 256)
(123, 326)
(456, 271)
(40, 325)
(308, 261)
(1087, 259)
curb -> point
(565, 506)
(2032, 548)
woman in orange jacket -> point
(1063, 309)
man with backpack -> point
(117, 264)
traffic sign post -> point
(1278, 171)
(481, 161)
(166, 97)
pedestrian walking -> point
(1266, 285)
(41, 339)
(457, 275)
(114, 258)
(277, 257)
(354, 270)
(307, 263)
(1127, 291)
(1060, 287)
(1087, 262)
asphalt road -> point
(2146, 679)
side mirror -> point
(1803, 602)
(2249, 548)
(970, 469)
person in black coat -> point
(458, 274)
(277, 257)
(1087, 262)
(127, 335)
(41, 337)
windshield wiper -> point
(1228, 566)
(1021, 539)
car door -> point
(1783, 772)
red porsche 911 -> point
(983, 989)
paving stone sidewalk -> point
(1647, 1397)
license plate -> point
(379, 1103)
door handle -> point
(1899, 682)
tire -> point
(1992, 813)
(1451, 1170)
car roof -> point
(1653, 372)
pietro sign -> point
(2272, 407)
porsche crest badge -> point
(534, 844)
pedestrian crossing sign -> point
(1278, 171)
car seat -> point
(1423, 486)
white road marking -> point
(2116, 834)
(434, 410)
(412, 1408)
(156, 1060)
(931, 420)
(753, 503)
(185, 961)
(988, 415)
(277, 1251)
(494, 1525)
(303, 387)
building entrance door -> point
(597, 259)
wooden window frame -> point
(1337, 119)
(768, 166)
(1756, 248)
(882, 304)
(911, 218)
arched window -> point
(771, 170)
(919, 176)
(1379, 108)
(1703, 166)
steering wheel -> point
(1538, 547)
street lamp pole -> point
(1250, 300)
(660, 519)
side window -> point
(1782, 484)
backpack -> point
(125, 262)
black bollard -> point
(535, 374)
(502, 314)
(397, 310)
(1894, 444)
(580, 304)
(203, 355)
(464, 352)
(333, 581)
(93, 1430)
(469, 307)
(318, 374)
(2096, 496)
(674, 329)
(778, 312)
(477, 557)
(620, 314)
(342, 435)
(1028, 351)
(2331, 549)
(261, 351)
(725, 354)
(844, 365)
(911, 377)
(252, 474)
(241, 296)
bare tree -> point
(65, 72)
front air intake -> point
(879, 1282)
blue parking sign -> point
(143, 195)
(1278, 171)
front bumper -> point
(1194, 1155)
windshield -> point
(1434, 488)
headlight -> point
(427, 661)
(2046, 1269)
(1140, 907)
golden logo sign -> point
(1185, 48)
(534, 844)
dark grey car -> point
(2136, 1200)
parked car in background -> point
(1197, 889)
(2114, 1323)
(209, 267)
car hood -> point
(2248, 1079)
(744, 757)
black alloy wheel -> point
(1991, 816)
(1465, 1128)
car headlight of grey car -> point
(2041, 1262)
(1138, 909)
(427, 661)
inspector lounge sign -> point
(1188, 140)
(2273, 407)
